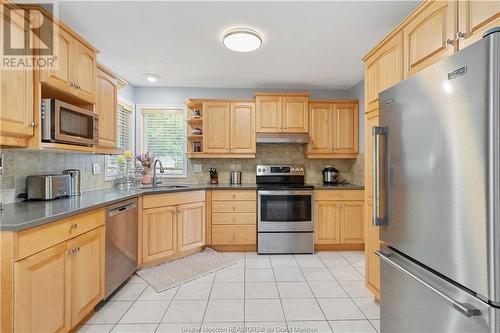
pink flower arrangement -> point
(146, 160)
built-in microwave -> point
(66, 123)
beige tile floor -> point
(323, 292)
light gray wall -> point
(177, 95)
(127, 92)
(357, 92)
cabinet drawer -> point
(234, 218)
(234, 195)
(172, 199)
(234, 234)
(36, 239)
(234, 207)
(339, 195)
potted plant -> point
(147, 161)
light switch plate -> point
(197, 168)
(96, 169)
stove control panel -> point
(280, 170)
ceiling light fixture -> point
(152, 77)
(242, 40)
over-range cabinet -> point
(437, 196)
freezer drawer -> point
(414, 299)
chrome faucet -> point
(155, 180)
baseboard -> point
(339, 247)
(234, 248)
(173, 257)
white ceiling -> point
(307, 45)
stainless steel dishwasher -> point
(121, 244)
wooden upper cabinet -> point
(16, 95)
(345, 128)
(86, 253)
(295, 114)
(383, 69)
(320, 134)
(429, 36)
(42, 294)
(327, 229)
(61, 76)
(190, 226)
(106, 107)
(159, 233)
(85, 68)
(475, 17)
(242, 128)
(269, 114)
(216, 122)
(333, 130)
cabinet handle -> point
(460, 35)
(72, 84)
(32, 124)
(234, 196)
(234, 219)
(73, 226)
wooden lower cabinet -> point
(372, 262)
(159, 233)
(42, 292)
(56, 288)
(339, 217)
(190, 226)
(86, 254)
(171, 230)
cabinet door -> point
(345, 128)
(190, 226)
(351, 226)
(242, 128)
(106, 107)
(16, 94)
(86, 253)
(42, 292)
(295, 114)
(372, 261)
(425, 37)
(382, 70)
(61, 76)
(216, 137)
(159, 233)
(84, 69)
(327, 222)
(475, 17)
(269, 117)
(320, 132)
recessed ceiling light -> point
(242, 40)
(152, 77)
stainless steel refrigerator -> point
(438, 161)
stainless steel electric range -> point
(285, 208)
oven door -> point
(283, 210)
(74, 125)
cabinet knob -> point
(73, 226)
(459, 35)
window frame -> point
(140, 142)
(108, 163)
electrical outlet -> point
(197, 168)
(96, 169)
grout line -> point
(208, 302)
(279, 295)
(168, 307)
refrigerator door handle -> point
(376, 131)
(465, 308)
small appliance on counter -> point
(75, 181)
(330, 176)
(47, 187)
(235, 178)
(214, 176)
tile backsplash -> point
(20, 163)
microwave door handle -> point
(466, 309)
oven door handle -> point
(285, 192)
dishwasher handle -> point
(121, 209)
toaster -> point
(47, 187)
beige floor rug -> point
(174, 273)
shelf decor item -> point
(147, 161)
(196, 131)
(196, 113)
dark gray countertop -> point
(23, 215)
(322, 186)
